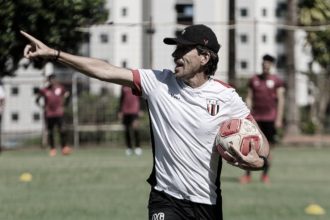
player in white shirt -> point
(185, 107)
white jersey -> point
(184, 123)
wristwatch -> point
(265, 161)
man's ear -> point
(205, 58)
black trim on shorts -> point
(164, 206)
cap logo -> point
(206, 41)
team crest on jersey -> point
(213, 106)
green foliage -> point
(242, 87)
(315, 12)
(306, 124)
(101, 109)
(52, 21)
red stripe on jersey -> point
(137, 90)
(250, 118)
(223, 83)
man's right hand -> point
(37, 49)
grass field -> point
(102, 183)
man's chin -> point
(178, 70)
(177, 74)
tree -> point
(232, 45)
(293, 112)
(52, 21)
(316, 12)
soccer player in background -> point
(266, 100)
(185, 179)
(129, 112)
(54, 95)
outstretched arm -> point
(89, 66)
(248, 99)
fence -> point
(95, 116)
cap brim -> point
(175, 41)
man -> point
(266, 99)
(129, 112)
(54, 95)
(185, 176)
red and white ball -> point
(237, 133)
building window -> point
(264, 12)
(185, 13)
(244, 65)
(244, 38)
(264, 38)
(281, 61)
(280, 36)
(243, 12)
(36, 117)
(14, 91)
(104, 38)
(124, 12)
(124, 64)
(14, 117)
(35, 90)
(124, 38)
(281, 10)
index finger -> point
(30, 37)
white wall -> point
(215, 15)
(115, 51)
(164, 18)
(24, 102)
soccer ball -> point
(237, 133)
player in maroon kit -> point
(129, 112)
(54, 95)
(266, 100)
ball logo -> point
(158, 216)
(58, 91)
(270, 84)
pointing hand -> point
(37, 49)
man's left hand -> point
(251, 161)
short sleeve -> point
(238, 107)
(279, 82)
(147, 81)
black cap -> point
(268, 57)
(198, 34)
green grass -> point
(102, 183)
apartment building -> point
(260, 31)
(133, 38)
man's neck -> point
(198, 80)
